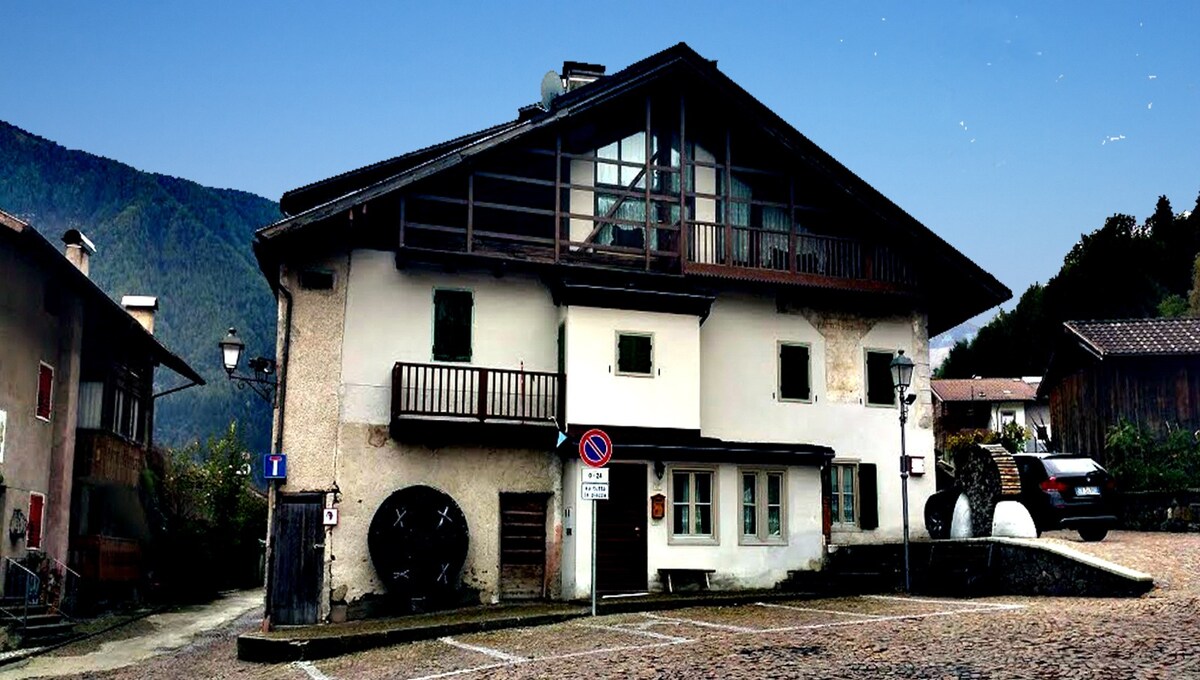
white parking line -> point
(953, 603)
(818, 611)
(312, 671)
(703, 624)
(637, 631)
(494, 653)
(506, 660)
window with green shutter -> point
(452, 311)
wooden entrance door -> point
(621, 531)
(522, 546)
(297, 559)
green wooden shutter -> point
(868, 497)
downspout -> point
(273, 489)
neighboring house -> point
(656, 254)
(1146, 371)
(76, 409)
(989, 404)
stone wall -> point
(1161, 510)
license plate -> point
(1087, 491)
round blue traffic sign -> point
(595, 448)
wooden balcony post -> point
(481, 410)
(470, 212)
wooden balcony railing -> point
(105, 457)
(803, 254)
(483, 394)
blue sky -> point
(1008, 128)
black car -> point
(1061, 491)
(1068, 491)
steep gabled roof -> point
(113, 315)
(983, 389)
(973, 290)
(1138, 337)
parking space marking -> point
(505, 660)
(311, 670)
(638, 631)
(818, 611)
(494, 653)
(968, 604)
(703, 624)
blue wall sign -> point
(275, 466)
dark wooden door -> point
(298, 556)
(621, 531)
(522, 546)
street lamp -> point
(902, 370)
(261, 383)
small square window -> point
(45, 391)
(316, 279)
(794, 381)
(635, 354)
(452, 310)
(880, 390)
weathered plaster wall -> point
(372, 466)
(739, 381)
(314, 394)
(29, 335)
(597, 395)
(389, 318)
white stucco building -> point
(652, 253)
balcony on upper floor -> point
(104, 457)
(470, 393)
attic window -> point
(316, 279)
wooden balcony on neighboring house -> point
(498, 395)
(101, 456)
(107, 559)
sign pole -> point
(594, 508)
(595, 450)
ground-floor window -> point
(692, 504)
(762, 506)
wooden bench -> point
(699, 576)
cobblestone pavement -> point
(1154, 636)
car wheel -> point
(1092, 534)
(937, 518)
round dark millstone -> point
(418, 543)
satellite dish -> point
(551, 87)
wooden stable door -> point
(297, 559)
(522, 546)
(621, 559)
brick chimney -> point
(79, 249)
(142, 308)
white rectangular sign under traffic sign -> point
(597, 475)
(594, 491)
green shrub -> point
(1143, 462)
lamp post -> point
(902, 370)
(262, 383)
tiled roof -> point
(984, 389)
(1133, 337)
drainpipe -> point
(273, 489)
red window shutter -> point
(45, 391)
(33, 536)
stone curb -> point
(276, 649)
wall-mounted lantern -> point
(263, 384)
(17, 525)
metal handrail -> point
(37, 588)
(62, 593)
